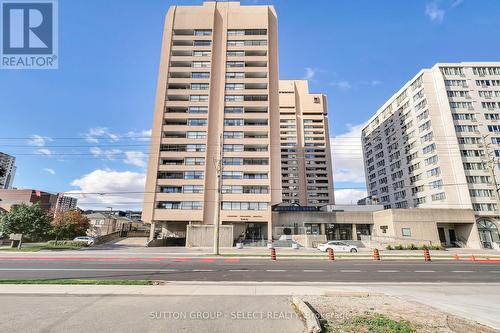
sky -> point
(84, 127)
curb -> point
(312, 322)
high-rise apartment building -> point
(306, 164)
(65, 203)
(8, 166)
(217, 99)
(431, 144)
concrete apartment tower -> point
(217, 87)
(432, 144)
(8, 164)
(306, 163)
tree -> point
(70, 224)
(30, 220)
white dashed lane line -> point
(387, 271)
(350, 271)
(462, 271)
(203, 270)
(275, 270)
(425, 271)
(313, 270)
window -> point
(232, 175)
(194, 161)
(192, 188)
(233, 122)
(196, 135)
(198, 109)
(431, 160)
(202, 43)
(235, 75)
(201, 64)
(434, 172)
(406, 232)
(200, 75)
(193, 174)
(234, 109)
(199, 86)
(235, 205)
(205, 32)
(197, 122)
(198, 98)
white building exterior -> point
(429, 145)
(9, 165)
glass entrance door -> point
(488, 233)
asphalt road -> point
(259, 270)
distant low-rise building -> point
(8, 164)
(105, 223)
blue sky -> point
(83, 126)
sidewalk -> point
(476, 301)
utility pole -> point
(491, 162)
(218, 161)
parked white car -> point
(88, 240)
(337, 246)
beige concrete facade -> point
(426, 146)
(217, 88)
(387, 227)
(306, 163)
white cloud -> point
(136, 158)
(109, 154)
(343, 84)
(347, 156)
(375, 83)
(434, 12)
(49, 170)
(348, 196)
(108, 188)
(456, 3)
(43, 151)
(143, 135)
(93, 135)
(38, 140)
(309, 74)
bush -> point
(66, 243)
(389, 247)
(399, 247)
(412, 247)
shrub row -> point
(413, 247)
(66, 243)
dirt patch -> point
(342, 313)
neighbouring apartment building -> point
(436, 143)
(8, 164)
(217, 99)
(51, 203)
(306, 164)
(65, 203)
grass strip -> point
(80, 282)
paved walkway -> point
(477, 302)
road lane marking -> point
(494, 271)
(275, 270)
(387, 271)
(425, 271)
(462, 271)
(238, 270)
(203, 270)
(350, 270)
(313, 270)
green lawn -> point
(80, 281)
(37, 248)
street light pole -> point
(218, 199)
